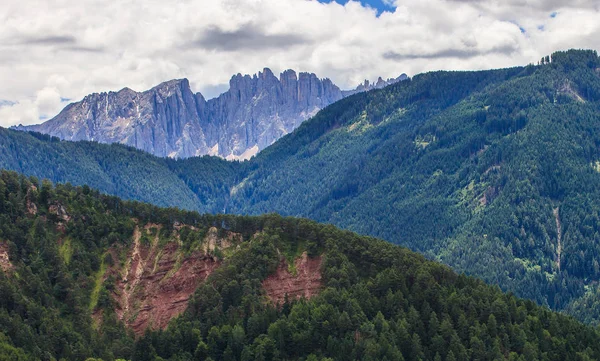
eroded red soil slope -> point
(305, 283)
(156, 280)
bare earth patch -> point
(306, 283)
(156, 281)
(212, 240)
(5, 263)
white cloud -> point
(53, 49)
(46, 103)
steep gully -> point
(555, 211)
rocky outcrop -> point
(59, 210)
(169, 120)
(5, 263)
(31, 206)
(305, 280)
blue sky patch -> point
(380, 5)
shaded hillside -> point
(479, 170)
(114, 169)
(81, 271)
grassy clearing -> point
(66, 250)
(98, 280)
(293, 254)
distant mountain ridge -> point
(170, 120)
(379, 84)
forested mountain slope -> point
(496, 173)
(80, 271)
(114, 169)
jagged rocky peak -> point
(289, 83)
(238, 80)
(378, 84)
(169, 120)
(168, 88)
(288, 74)
(126, 90)
(257, 110)
(267, 74)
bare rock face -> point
(258, 110)
(169, 120)
(5, 265)
(306, 282)
(31, 207)
(163, 120)
(60, 211)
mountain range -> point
(170, 120)
(495, 173)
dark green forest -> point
(495, 173)
(378, 301)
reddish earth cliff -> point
(306, 282)
(157, 280)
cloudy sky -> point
(56, 51)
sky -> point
(53, 52)
(379, 5)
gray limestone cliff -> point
(169, 120)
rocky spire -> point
(171, 121)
